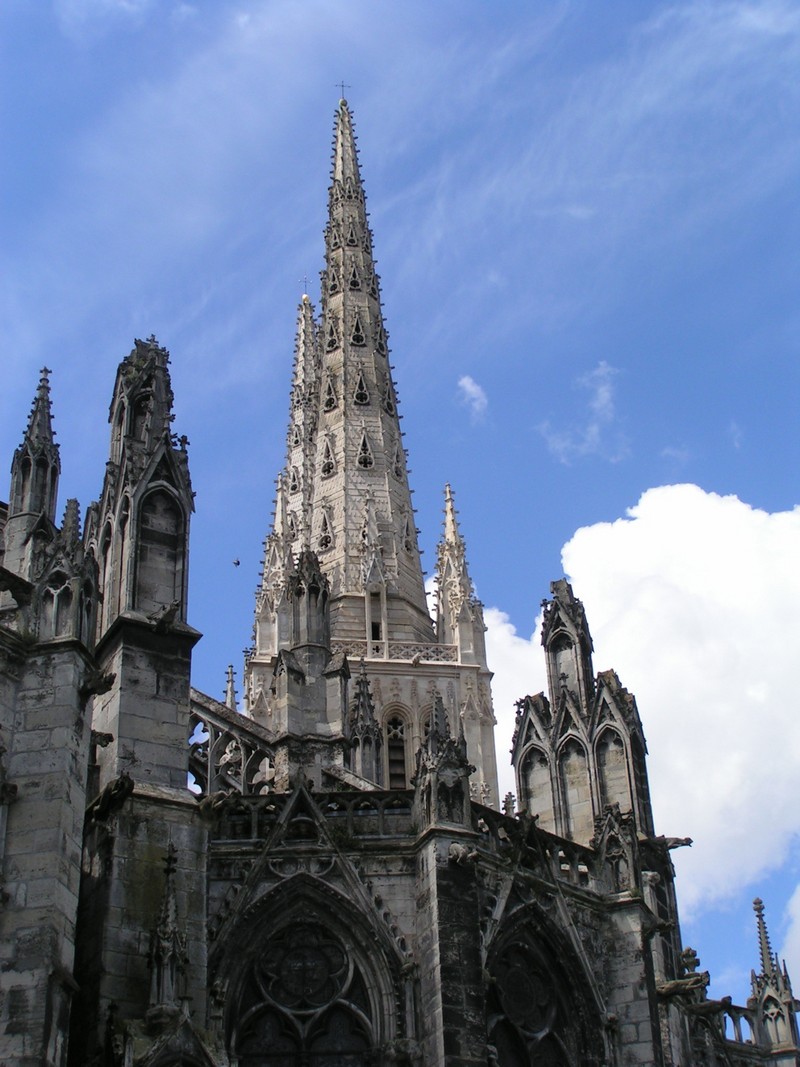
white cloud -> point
(473, 396)
(694, 598)
(595, 435)
(518, 665)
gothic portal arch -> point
(541, 1009)
(309, 982)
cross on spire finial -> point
(341, 86)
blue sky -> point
(586, 223)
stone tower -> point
(344, 495)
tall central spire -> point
(345, 493)
(344, 497)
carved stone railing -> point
(349, 816)
(419, 652)
(227, 751)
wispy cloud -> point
(473, 397)
(596, 435)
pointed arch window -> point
(372, 288)
(397, 465)
(388, 401)
(361, 394)
(395, 732)
(334, 236)
(349, 190)
(291, 526)
(56, 606)
(159, 566)
(333, 282)
(409, 534)
(365, 459)
(294, 480)
(352, 237)
(332, 340)
(329, 398)
(358, 337)
(328, 466)
(297, 437)
(355, 280)
(380, 341)
(325, 540)
(306, 1001)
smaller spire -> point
(230, 689)
(40, 422)
(769, 962)
(36, 464)
(452, 534)
(71, 523)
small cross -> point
(304, 280)
(342, 86)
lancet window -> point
(328, 466)
(361, 394)
(358, 337)
(396, 733)
(329, 396)
(364, 458)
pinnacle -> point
(768, 961)
(451, 531)
(40, 427)
(230, 688)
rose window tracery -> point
(304, 1003)
(530, 1023)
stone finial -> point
(230, 689)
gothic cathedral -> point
(326, 875)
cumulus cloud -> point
(473, 397)
(518, 665)
(693, 598)
(594, 436)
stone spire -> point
(769, 963)
(772, 1002)
(71, 523)
(35, 469)
(359, 451)
(454, 590)
(344, 498)
(365, 734)
(36, 465)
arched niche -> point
(536, 786)
(576, 795)
(612, 769)
(160, 556)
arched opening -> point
(396, 733)
(612, 770)
(576, 795)
(159, 577)
(536, 787)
